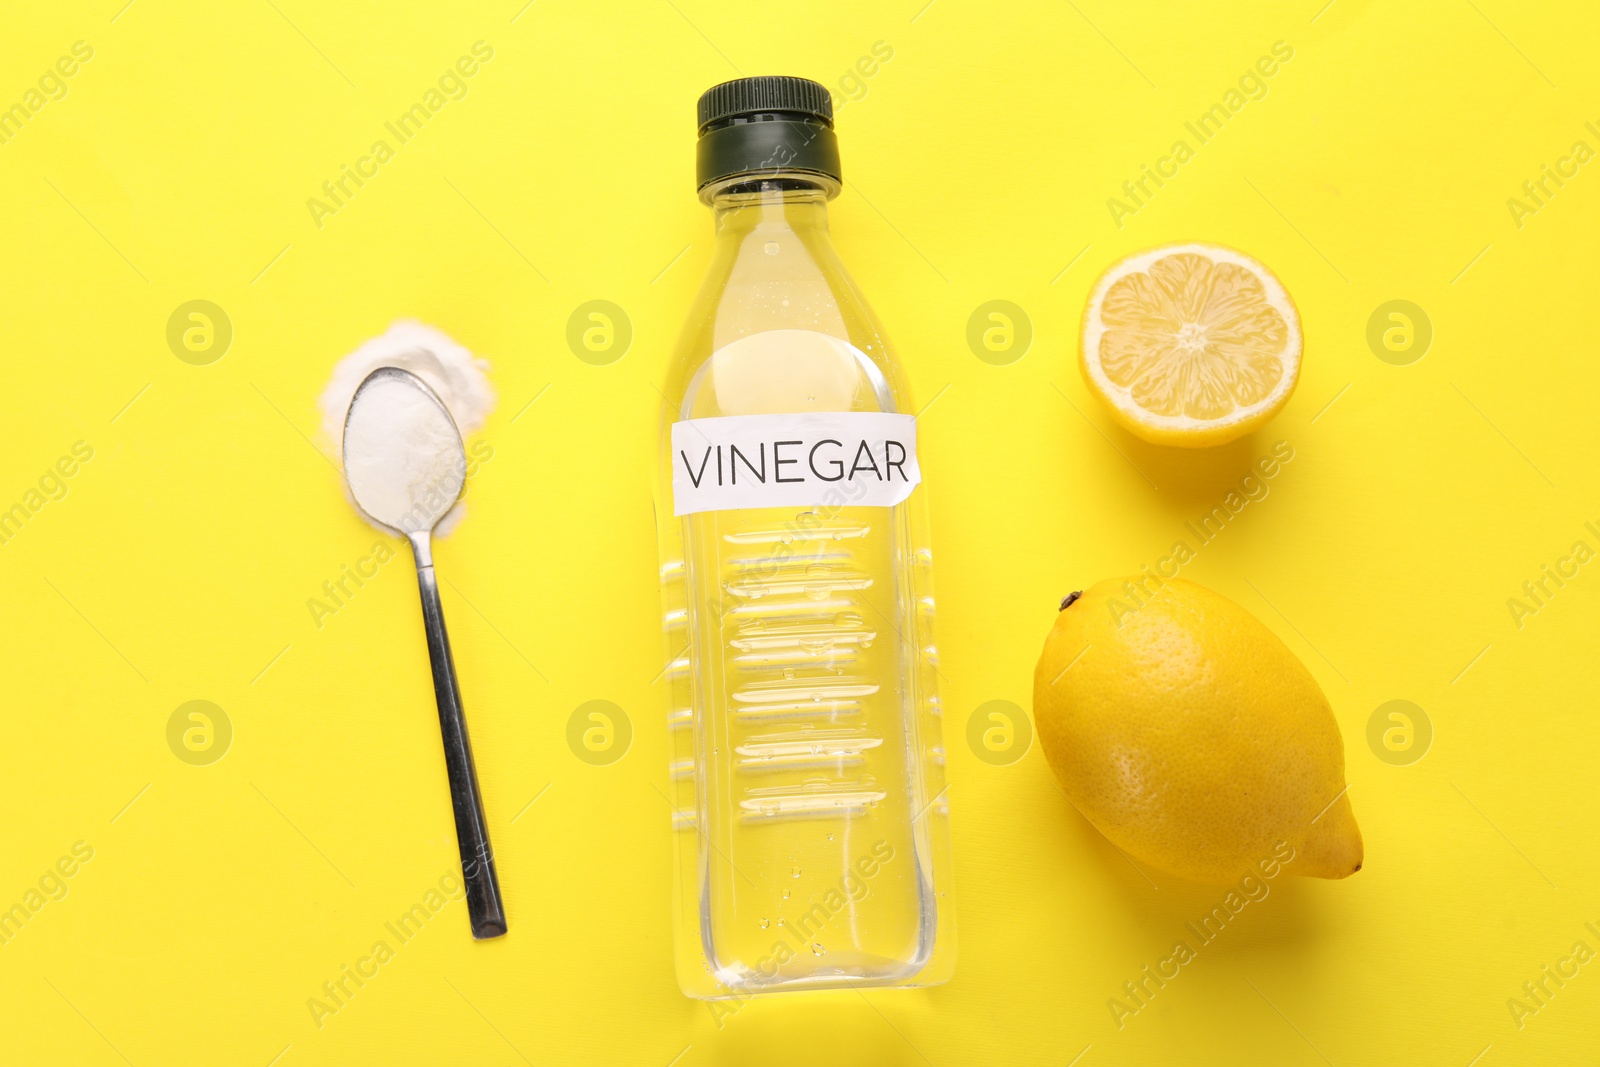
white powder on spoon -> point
(453, 373)
(403, 457)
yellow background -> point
(978, 163)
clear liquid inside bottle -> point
(808, 767)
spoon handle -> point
(484, 908)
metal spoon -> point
(405, 466)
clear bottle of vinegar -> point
(808, 767)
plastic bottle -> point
(808, 769)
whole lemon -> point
(1190, 735)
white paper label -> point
(811, 459)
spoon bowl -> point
(403, 457)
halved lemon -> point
(1191, 345)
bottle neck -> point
(796, 202)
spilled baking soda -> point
(459, 378)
